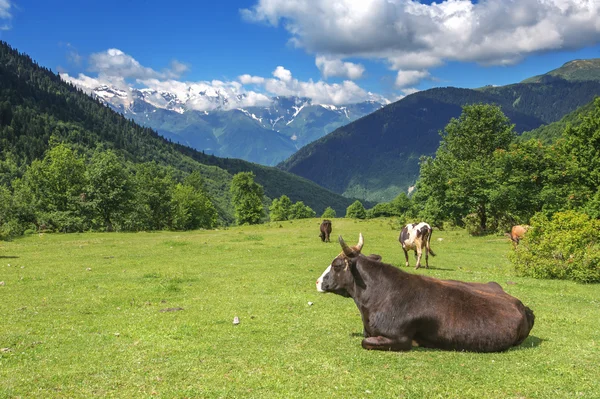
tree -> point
(192, 209)
(246, 196)
(301, 211)
(5, 211)
(581, 149)
(109, 190)
(57, 183)
(356, 210)
(460, 180)
(399, 206)
(153, 192)
(329, 213)
(280, 209)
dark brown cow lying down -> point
(398, 308)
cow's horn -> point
(361, 241)
(347, 250)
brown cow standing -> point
(416, 237)
(398, 308)
(518, 232)
(325, 230)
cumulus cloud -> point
(331, 67)
(251, 80)
(414, 37)
(408, 78)
(283, 74)
(179, 68)
(5, 9)
(114, 62)
(5, 14)
(284, 84)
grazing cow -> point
(416, 237)
(325, 230)
(518, 232)
(399, 309)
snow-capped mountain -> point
(226, 126)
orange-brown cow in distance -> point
(518, 232)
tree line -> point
(67, 192)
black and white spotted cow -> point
(416, 236)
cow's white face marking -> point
(320, 280)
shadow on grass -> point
(438, 268)
(404, 268)
(530, 342)
(8, 257)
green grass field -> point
(95, 315)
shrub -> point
(356, 210)
(301, 211)
(567, 247)
(329, 213)
(473, 225)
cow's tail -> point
(429, 243)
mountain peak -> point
(574, 71)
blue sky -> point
(332, 51)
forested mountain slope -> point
(550, 133)
(377, 156)
(36, 104)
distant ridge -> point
(574, 71)
(377, 156)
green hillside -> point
(377, 156)
(551, 132)
(576, 70)
(36, 104)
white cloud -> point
(179, 68)
(408, 78)
(88, 83)
(331, 67)
(283, 84)
(283, 74)
(251, 80)
(409, 90)
(5, 6)
(114, 62)
(5, 15)
(414, 36)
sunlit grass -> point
(150, 314)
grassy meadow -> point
(133, 315)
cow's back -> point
(474, 317)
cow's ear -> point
(338, 264)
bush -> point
(565, 247)
(473, 225)
(329, 213)
(356, 211)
